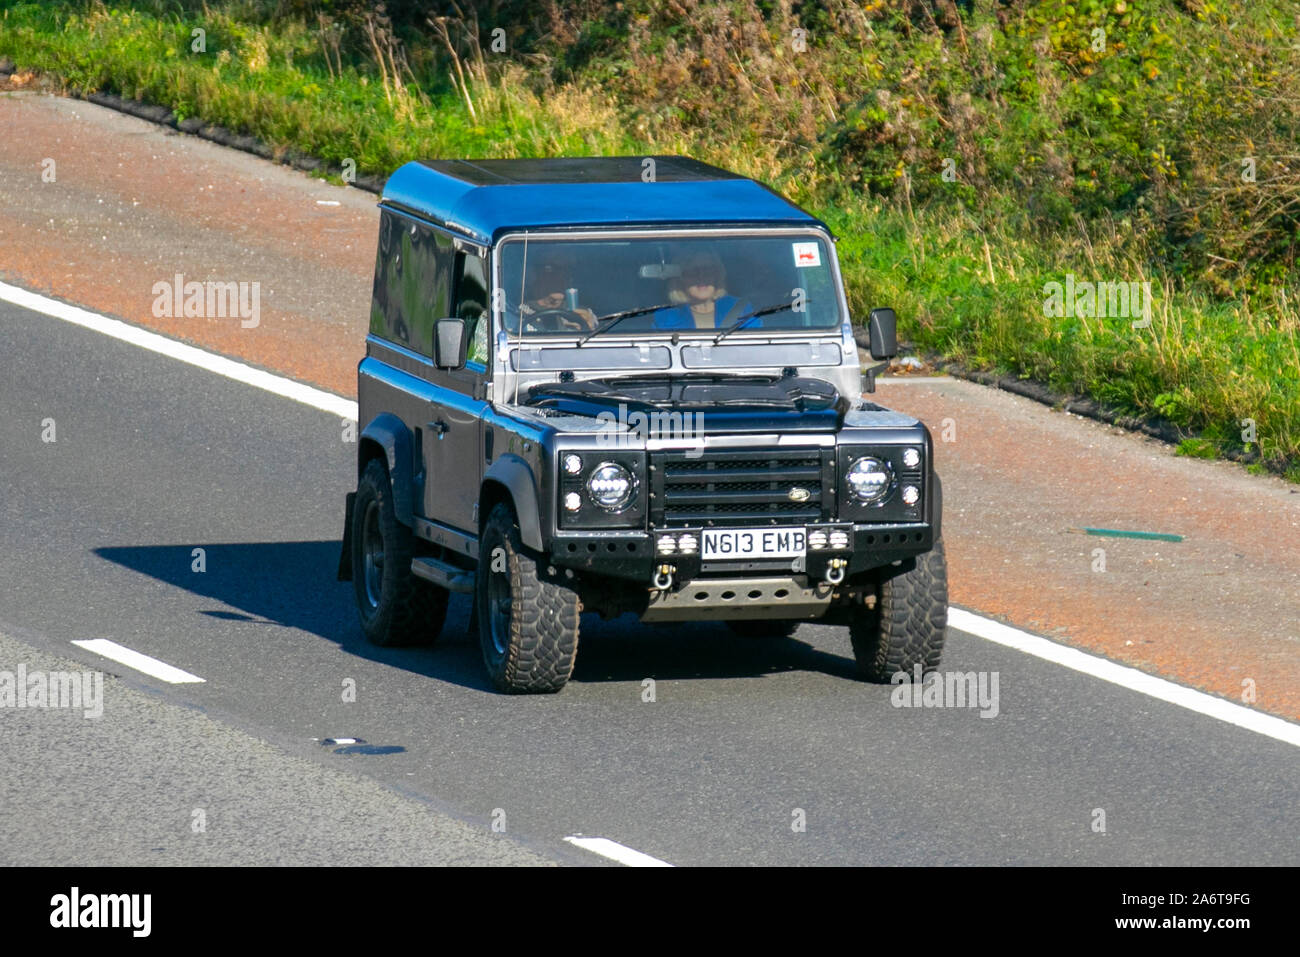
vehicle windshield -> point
(592, 287)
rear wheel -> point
(908, 624)
(395, 607)
(528, 622)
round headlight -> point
(868, 480)
(611, 486)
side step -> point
(443, 574)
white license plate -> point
(728, 543)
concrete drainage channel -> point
(162, 116)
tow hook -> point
(664, 577)
(835, 570)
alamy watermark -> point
(53, 689)
(130, 911)
(617, 429)
(1098, 300)
(177, 299)
(952, 689)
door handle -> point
(439, 428)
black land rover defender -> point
(628, 385)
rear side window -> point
(386, 301)
(413, 274)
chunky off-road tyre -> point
(528, 621)
(906, 628)
(395, 607)
(763, 627)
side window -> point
(471, 303)
(413, 273)
(391, 265)
(426, 282)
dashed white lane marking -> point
(616, 852)
(1126, 677)
(1071, 658)
(134, 659)
(279, 385)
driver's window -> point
(542, 289)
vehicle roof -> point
(485, 198)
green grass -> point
(1115, 165)
(1197, 449)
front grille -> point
(741, 487)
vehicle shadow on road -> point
(275, 585)
(625, 649)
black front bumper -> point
(632, 556)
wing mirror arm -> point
(869, 374)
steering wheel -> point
(555, 320)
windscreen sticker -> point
(807, 254)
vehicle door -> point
(452, 436)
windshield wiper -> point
(766, 311)
(614, 318)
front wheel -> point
(528, 622)
(908, 624)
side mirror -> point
(450, 344)
(882, 328)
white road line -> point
(133, 659)
(986, 628)
(616, 852)
(1126, 677)
(279, 385)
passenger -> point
(701, 291)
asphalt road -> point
(154, 459)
